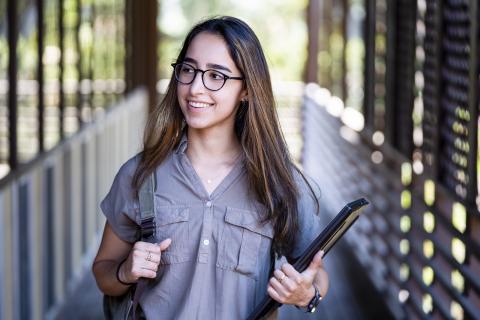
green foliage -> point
(280, 26)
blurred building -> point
(69, 115)
(387, 109)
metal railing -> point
(49, 211)
(413, 242)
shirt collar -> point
(182, 146)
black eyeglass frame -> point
(196, 70)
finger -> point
(164, 244)
(138, 272)
(279, 274)
(290, 285)
(146, 247)
(139, 258)
(322, 279)
(279, 288)
(152, 256)
(287, 283)
(146, 273)
(153, 248)
(322, 254)
(150, 266)
(318, 258)
(155, 258)
(289, 270)
(138, 254)
(315, 265)
(274, 295)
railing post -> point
(313, 24)
(12, 80)
(326, 26)
(141, 41)
(473, 103)
(61, 63)
(391, 75)
(369, 100)
(345, 13)
(400, 74)
(432, 89)
(81, 120)
(41, 102)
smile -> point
(199, 105)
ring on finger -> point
(149, 256)
(282, 278)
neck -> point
(212, 147)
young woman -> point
(228, 194)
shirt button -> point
(206, 242)
(208, 204)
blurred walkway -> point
(351, 295)
(85, 303)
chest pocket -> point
(172, 222)
(242, 241)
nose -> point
(197, 85)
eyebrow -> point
(209, 65)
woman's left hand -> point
(288, 286)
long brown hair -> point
(270, 170)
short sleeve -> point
(309, 222)
(120, 206)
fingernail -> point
(322, 253)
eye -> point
(186, 69)
(214, 75)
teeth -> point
(199, 104)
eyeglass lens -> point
(212, 79)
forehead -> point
(207, 48)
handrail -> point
(49, 210)
(87, 127)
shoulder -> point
(308, 211)
(306, 185)
(127, 170)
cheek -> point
(230, 100)
(181, 95)
(181, 92)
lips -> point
(199, 105)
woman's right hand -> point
(142, 261)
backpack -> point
(126, 307)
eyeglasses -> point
(213, 80)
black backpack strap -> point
(146, 197)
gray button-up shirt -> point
(218, 264)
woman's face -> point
(202, 108)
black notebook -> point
(325, 241)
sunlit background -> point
(375, 98)
(92, 66)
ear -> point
(244, 95)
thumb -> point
(315, 265)
(165, 244)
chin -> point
(197, 125)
